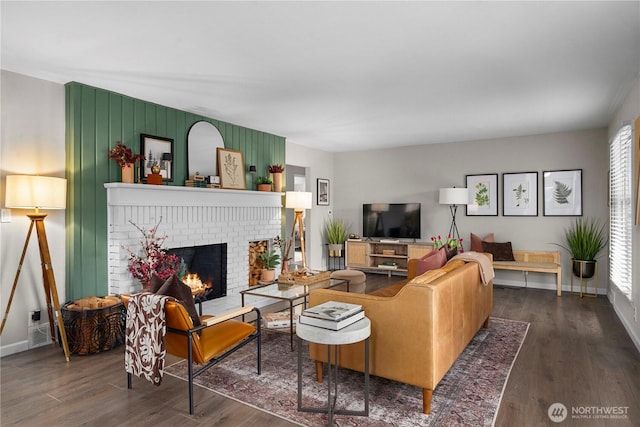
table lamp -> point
(454, 197)
(39, 192)
(298, 201)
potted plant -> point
(264, 183)
(336, 233)
(584, 239)
(269, 261)
(276, 173)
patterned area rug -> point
(468, 395)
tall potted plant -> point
(336, 233)
(276, 173)
(584, 240)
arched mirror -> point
(202, 143)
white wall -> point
(32, 142)
(415, 174)
(628, 311)
(318, 164)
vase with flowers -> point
(450, 244)
(276, 174)
(152, 258)
(125, 159)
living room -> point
(34, 133)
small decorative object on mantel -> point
(264, 183)
(152, 257)
(276, 172)
(125, 159)
(201, 181)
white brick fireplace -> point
(190, 217)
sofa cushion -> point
(174, 287)
(434, 259)
(428, 277)
(476, 241)
(500, 251)
(452, 265)
(390, 290)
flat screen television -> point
(391, 220)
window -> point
(620, 212)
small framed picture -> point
(231, 169)
(563, 192)
(483, 195)
(323, 192)
(520, 194)
(158, 153)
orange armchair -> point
(211, 342)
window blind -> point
(620, 212)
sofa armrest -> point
(412, 268)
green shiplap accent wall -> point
(95, 120)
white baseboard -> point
(17, 347)
(547, 286)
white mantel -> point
(119, 194)
(190, 217)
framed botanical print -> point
(231, 169)
(520, 194)
(483, 194)
(323, 192)
(563, 192)
(158, 155)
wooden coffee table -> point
(293, 293)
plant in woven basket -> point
(152, 258)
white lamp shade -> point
(32, 191)
(298, 200)
(454, 196)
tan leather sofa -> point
(418, 330)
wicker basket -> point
(92, 330)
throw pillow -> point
(174, 287)
(155, 283)
(434, 259)
(476, 241)
(500, 251)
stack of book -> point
(388, 265)
(332, 315)
(279, 320)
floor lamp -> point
(454, 197)
(298, 201)
(39, 192)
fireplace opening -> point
(209, 262)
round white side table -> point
(359, 331)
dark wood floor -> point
(576, 353)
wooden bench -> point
(537, 261)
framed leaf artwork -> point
(483, 195)
(520, 194)
(231, 169)
(563, 192)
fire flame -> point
(193, 281)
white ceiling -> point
(342, 76)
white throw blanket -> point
(486, 266)
(146, 327)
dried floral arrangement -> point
(123, 154)
(152, 257)
(276, 168)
